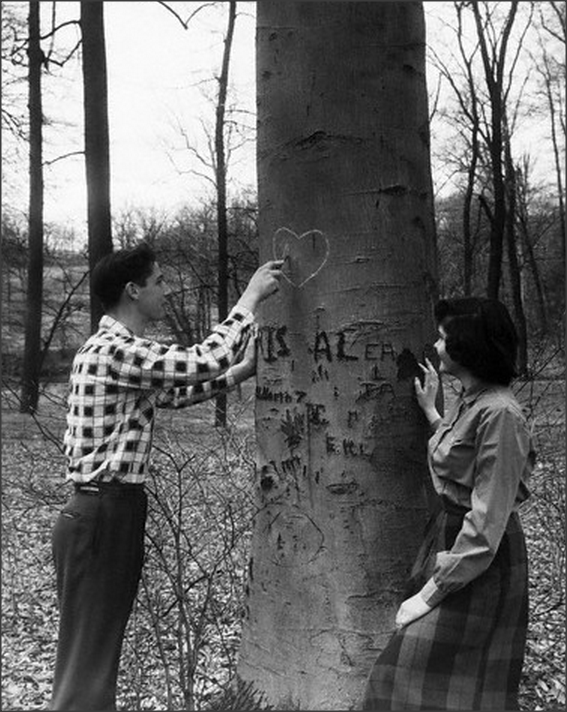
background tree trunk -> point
(468, 241)
(97, 152)
(493, 52)
(345, 193)
(32, 344)
(523, 210)
(220, 181)
(513, 261)
(554, 78)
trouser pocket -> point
(75, 532)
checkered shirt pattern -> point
(117, 381)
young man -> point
(117, 380)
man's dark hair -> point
(113, 272)
(481, 336)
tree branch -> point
(65, 155)
(184, 23)
(53, 30)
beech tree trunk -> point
(32, 345)
(345, 196)
(97, 151)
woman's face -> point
(446, 363)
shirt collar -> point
(109, 323)
(472, 395)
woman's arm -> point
(502, 451)
(503, 448)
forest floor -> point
(152, 674)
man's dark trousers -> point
(98, 548)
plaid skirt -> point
(467, 652)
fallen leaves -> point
(170, 662)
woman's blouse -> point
(480, 458)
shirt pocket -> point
(454, 457)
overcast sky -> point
(159, 76)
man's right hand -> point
(264, 282)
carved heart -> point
(305, 255)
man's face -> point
(153, 295)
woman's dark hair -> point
(481, 336)
(113, 272)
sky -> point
(159, 77)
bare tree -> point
(552, 70)
(13, 48)
(220, 185)
(468, 121)
(528, 240)
(513, 260)
(32, 346)
(487, 113)
(97, 151)
(214, 163)
(493, 51)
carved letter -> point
(322, 347)
(341, 355)
(283, 347)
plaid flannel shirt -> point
(117, 381)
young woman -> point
(460, 638)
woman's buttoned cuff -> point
(431, 593)
(435, 424)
